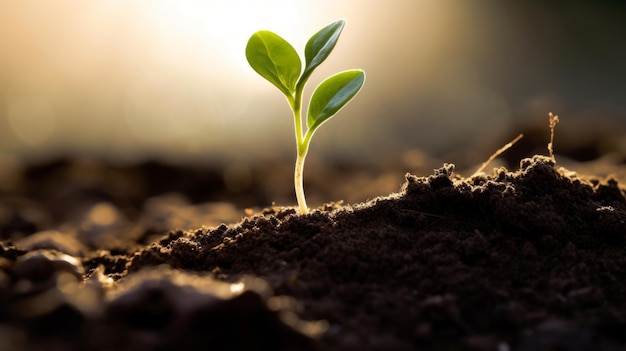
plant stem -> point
(302, 147)
(298, 180)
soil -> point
(529, 259)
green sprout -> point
(277, 61)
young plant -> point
(277, 61)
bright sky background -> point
(168, 78)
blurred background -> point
(168, 80)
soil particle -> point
(527, 260)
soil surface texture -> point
(530, 259)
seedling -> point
(277, 61)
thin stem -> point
(302, 147)
(295, 103)
(298, 179)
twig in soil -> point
(426, 214)
(553, 120)
(498, 153)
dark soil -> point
(532, 259)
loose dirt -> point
(530, 259)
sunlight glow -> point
(216, 25)
(32, 120)
(201, 43)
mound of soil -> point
(532, 259)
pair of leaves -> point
(277, 61)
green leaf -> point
(332, 95)
(275, 60)
(319, 47)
